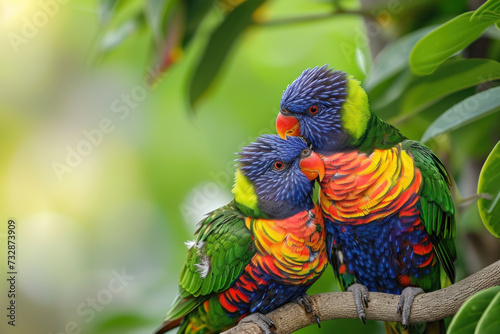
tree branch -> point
(427, 307)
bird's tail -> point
(168, 325)
(395, 328)
(436, 327)
(187, 326)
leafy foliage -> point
(173, 24)
(218, 46)
(490, 8)
(453, 75)
(472, 108)
(490, 322)
(428, 58)
(424, 79)
(393, 58)
(489, 184)
(479, 314)
(449, 38)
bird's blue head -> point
(276, 176)
(326, 107)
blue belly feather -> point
(377, 253)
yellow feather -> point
(370, 168)
(356, 113)
(272, 233)
(383, 162)
(409, 169)
(244, 192)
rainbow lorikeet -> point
(385, 199)
(262, 250)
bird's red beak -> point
(287, 126)
(313, 167)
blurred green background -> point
(106, 177)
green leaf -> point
(393, 58)
(467, 317)
(444, 41)
(464, 112)
(196, 10)
(489, 183)
(106, 8)
(119, 19)
(155, 12)
(361, 61)
(490, 9)
(490, 321)
(115, 13)
(452, 76)
(121, 14)
(218, 47)
(115, 37)
(395, 91)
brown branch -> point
(340, 305)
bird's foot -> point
(305, 301)
(406, 301)
(266, 324)
(360, 294)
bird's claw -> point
(265, 324)
(406, 301)
(317, 320)
(360, 294)
(305, 301)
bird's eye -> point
(313, 109)
(278, 165)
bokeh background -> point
(106, 175)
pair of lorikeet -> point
(384, 221)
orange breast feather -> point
(357, 185)
(292, 249)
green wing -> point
(222, 248)
(436, 206)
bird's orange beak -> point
(287, 126)
(313, 167)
